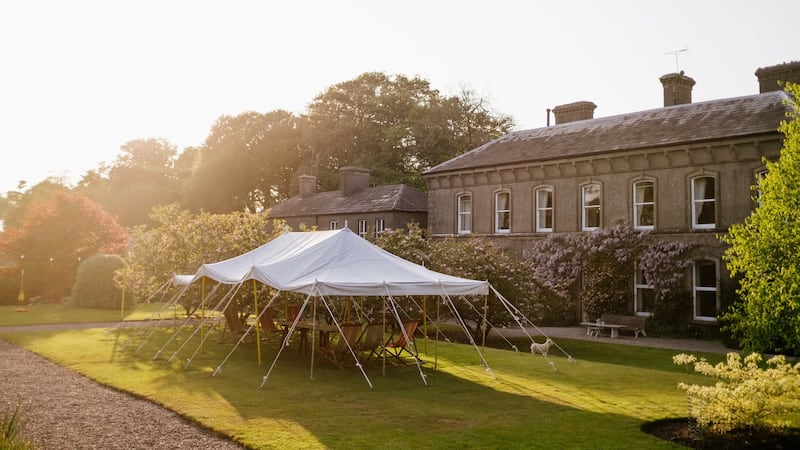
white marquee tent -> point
(338, 263)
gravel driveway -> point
(65, 410)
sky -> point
(80, 78)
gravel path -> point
(65, 410)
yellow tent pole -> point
(425, 322)
(258, 336)
(202, 310)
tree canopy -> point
(764, 252)
(54, 234)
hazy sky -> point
(80, 78)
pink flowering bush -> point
(475, 258)
(596, 268)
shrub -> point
(747, 395)
(94, 286)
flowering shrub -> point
(604, 261)
(475, 258)
(747, 395)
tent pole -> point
(285, 342)
(241, 339)
(408, 339)
(425, 323)
(485, 320)
(341, 336)
(255, 309)
(436, 343)
(313, 334)
(202, 308)
(203, 339)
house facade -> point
(683, 172)
(364, 209)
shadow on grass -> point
(528, 405)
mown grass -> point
(51, 314)
(598, 401)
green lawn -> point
(598, 401)
(50, 314)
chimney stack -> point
(572, 112)
(307, 185)
(677, 89)
(353, 179)
(768, 77)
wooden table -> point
(594, 328)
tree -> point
(395, 125)
(181, 242)
(248, 163)
(52, 237)
(94, 285)
(142, 176)
(764, 251)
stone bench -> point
(630, 323)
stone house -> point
(683, 171)
(365, 210)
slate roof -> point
(398, 197)
(674, 125)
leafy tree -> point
(181, 242)
(247, 163)
(142, 176)
(94, 285)
(764, 252)
(395, 125)
(54, 234)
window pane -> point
(644, 192)
(502, 201)
(645, 215)
(591, 195)
(645, 297)
(465, 204)
(593, 218)
(706, 303)
(706, 274)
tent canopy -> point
(336, 262)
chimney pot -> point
(353, 179)
(768, 77)
(677, 89)
(572, 112)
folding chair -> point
(372, 339)
(267, 321)
(233, 322)
(337, 353)
(396, 347)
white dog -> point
(542, 348)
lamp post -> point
(21, 296)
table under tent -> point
(321, 265)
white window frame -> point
(464, 218)
(696, 289)
(639, 205)
(379, 226)
(541, 211)
(586, 208)
(362, 228)
(501, 214)
(698, 204)
(639, 284)
(333, 225)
